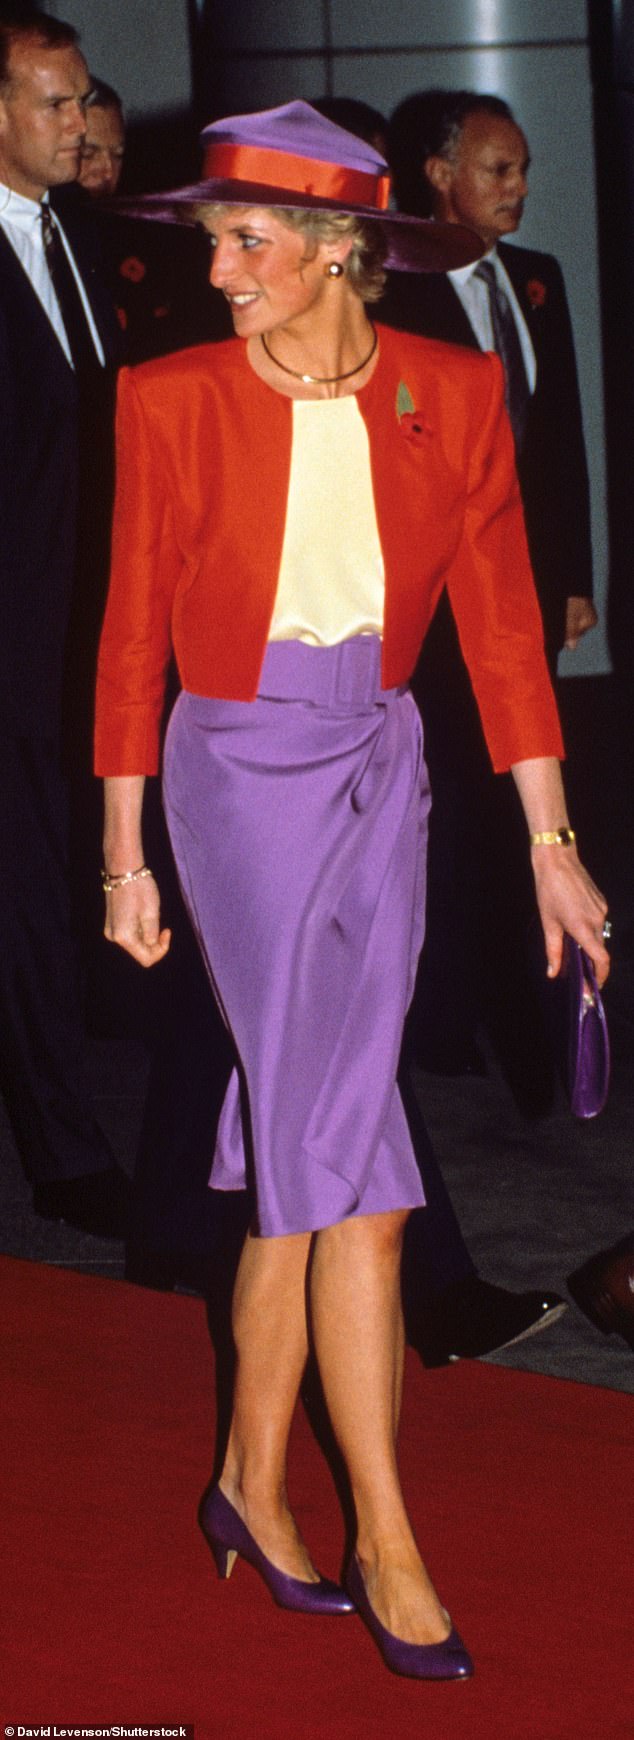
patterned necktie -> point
(80, 342)
(507, 343)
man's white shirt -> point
(474, 297)
(21, 221)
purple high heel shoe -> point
(421, 1661)
(229, 1537)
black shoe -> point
(96, 1203)
(473, 1318)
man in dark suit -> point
(55, 342)
(462, 157)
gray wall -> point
(139, 46)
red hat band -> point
(301, 175)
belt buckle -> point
(353, 681)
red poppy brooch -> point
(411, 422)
(536, 292)
(133, 269)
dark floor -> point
(534, 1197)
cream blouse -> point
(331, 582)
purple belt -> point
(343, 675)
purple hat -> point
(294, 158)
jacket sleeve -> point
(492, 593)
(135, 646)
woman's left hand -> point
(568, 900)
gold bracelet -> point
(554, 837)
(109, 882)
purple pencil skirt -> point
(298, 823)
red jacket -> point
(204, 449)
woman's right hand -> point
(133, 920)
(133, 907)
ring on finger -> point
(607, 930)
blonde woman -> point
(290, 505)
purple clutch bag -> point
(584, 1042)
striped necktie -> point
(507, 343)
(80, 342)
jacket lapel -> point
(22, 306)
(84, 240)
(516, 262)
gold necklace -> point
(321, 380)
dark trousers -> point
(179, 1229)
(435, 1255)
(42, 1034)
(483, 959)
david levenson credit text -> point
(115, 1732)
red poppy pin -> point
(133, 269)
(536, 292)
(411, 422)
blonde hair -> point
(364, 266)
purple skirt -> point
(298, 823)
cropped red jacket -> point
(203, 463)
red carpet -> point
(520, 1487)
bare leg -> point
(357, 1324)
(358, 1332)
(270, 1334)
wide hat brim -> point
(413, 244)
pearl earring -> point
(334, 270)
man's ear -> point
(439, 173)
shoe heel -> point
(221, 1524)
(225, 1558)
